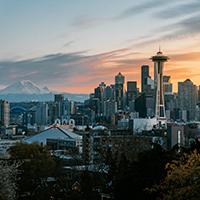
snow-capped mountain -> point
(25, 91)
(24, 87)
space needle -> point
(159, 59)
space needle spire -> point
(159, 59)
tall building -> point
(42, 113)
(109, 93)
(72, 108)
(119, 91)
(66, 108)
(167, 85)
(159, 59)
(144, 77)
(4, 113)
(147, 87)
(132, 91)
(169, 96)
(110, 108)
(59, 107)
(100, 95)
(140, 106)
(132, 87)
(150, 104)
(99, 91)
(187, 98)
(59, 97)
(199, 95)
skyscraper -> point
(167, 85)
(169, 96)
(59, 110)
(187, 98)
(159, 60)
(99, 94)
(147, 87)
(119, 91)
(198, 94)
(132, 91)
(4, 112)
(99, 91)
(59, 97)
(144, 77)
(132, 86)
(109, 93)
(41, 113)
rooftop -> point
(53, 133)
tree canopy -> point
(182, 181)
(37, 165)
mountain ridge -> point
(24, 87)
(26, 90)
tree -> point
(182, 181)
(8, 177)
(132, 177)
(37, 166)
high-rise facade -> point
(59, 97)
(119, 91)
(109, 93)
(187, 98)
(198, 94)
(110, 108)
(58, 106)
(147, 88)
(132, 87)
(132, 91)
(159, 59)
(167, 85)
(169, 96)
(144, 77)
(41, 113)
(4, 113)
(99, 93)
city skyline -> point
(99, 99)
(77, 45)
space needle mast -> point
(159, 59)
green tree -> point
(132, 177)
(37, 166)
(8, 179)
(182, 181)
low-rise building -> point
(57, 138)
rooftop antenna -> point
(160, 49)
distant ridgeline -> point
(25, 90)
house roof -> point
(53, 133)
(100, 127)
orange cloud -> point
(80, 73)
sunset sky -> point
(72, 45)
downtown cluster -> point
(120, 143)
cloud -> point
(67, 44)
(72, 69)
(179, 10)
(183, 21)
(186, 26)
(86, 22)
(181, 30)
(41, 69)
(80, 72)
(141, 8)
(185, 57)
